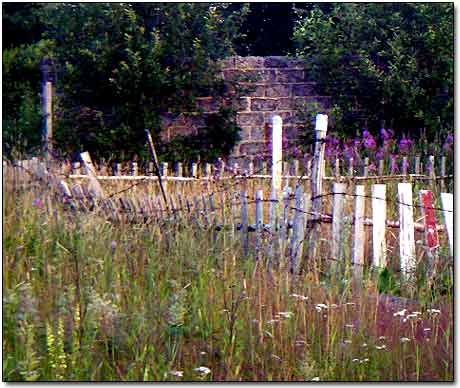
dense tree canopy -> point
(382, 62)
(120, 65)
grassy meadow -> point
(85, 299)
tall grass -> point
(88, 300)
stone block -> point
(252, 90)
(249, 62)
(258, 133)
(253, 119)
(207, 104)
(245, 132)
(287, 117)
(253, 148)
(303, 89)
(278, 90)
(277, 62)
(286, 104)
(264, 104)
(290, 76)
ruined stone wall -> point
(280, 86)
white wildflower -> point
(355, 360)
(404, 339)
(347, 341)
(350, 303)
(177, 373)
(322, 305)
(410, 316)
(297, 296)
(434, 311)
(364, 345)
(202, 370)
(363, 360)
(315, 378)
(272, 321)
(400, 313)
(334, 306)
(382, 338)
(426, 329)
(203, 353)
(381, 347)
(276, 357)
(350, 325)
(285, 314)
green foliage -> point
(121, 65)
(215, 139)
(388, 63)
(22, 119)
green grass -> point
(88, 300)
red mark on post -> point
(429, 219)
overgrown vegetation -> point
(384, 65)
(87, 299)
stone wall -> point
(278, 86)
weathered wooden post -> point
(47, 70)
(277, 152)
(317, 180)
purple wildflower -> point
(405, 144)
(448, 143)
(369, 141)
(386, 134)
(380, 153)
(37, 202)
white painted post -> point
(447, 203)
(358, 230)
(47, 94)
(295, 167)
(379, 215)
(259, 222)
(194, 170)
(338, 237)
(134, 169)
(406, 231)
(277, 152)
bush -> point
(382, 63)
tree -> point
(389, 63)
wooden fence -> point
(284, 228)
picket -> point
(406, 231)
(244, 222)
(259, 222)
(378, 193)
(358, 230)
(338, 233)
(297, 231)
(447, 201)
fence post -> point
(95, 186)
(273, 214)
(317, 180)
(443, 173)
(277, 152)
(366, 167)
(358, 231)
(284, 222)
(417, 165)
(244, 222)
(350, 167)
(337, 168)
(46, 67)
(259, 222)
(379, 215)
(298, 228)
(338, 238)
(406, 232)
(381, 167)
(429, 221)
(447, 203)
